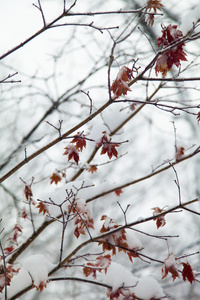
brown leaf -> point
(91, 168)
(120, 84)
(28, 192)
(43, 208)
(55, 177)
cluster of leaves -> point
(7, 273)
(171, 266)
(165, 61)
(10, 271)
(102, 262)
(42, 206)
(121, 293)
(152, 5)
(117, 240)
(107, 146)
(174, 56)
(80, 142)
(41, 285)
(82, 217)
(73, 150)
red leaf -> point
(71, 151)
(170, 265)
(43, 208)
(8, 250)
(118, 192)
(109, 149)
(165, 61)
(160, 221)
(79, 141)
(107, 146)
(55, 177)
(120, 84)
(82, 219)
(187, 272)
(17, 228)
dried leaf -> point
(55, 178)
(28, 192)
(120, 84)
(42, 285)
(24, 213)
(170, 265)
(107, 146)
(91, 168)
(160, 221)
(187, 272)
(118, 192)
(43, 208)
(72, 153)
(79, 141)
(154, 4)
(175, 55)
(8, 250)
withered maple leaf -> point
(154, 4)
(90, 271)
(170, 265)
(42, 285)
(43, 208)
(107, 146)
(8, 250)
(28, 192)
(118, 192)
(120, 84)
(160, 220)
(91, 168)
(187, 272)
(79, 141)
(72, 153)
(175, 55)
(110, 149)
(55, 177)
